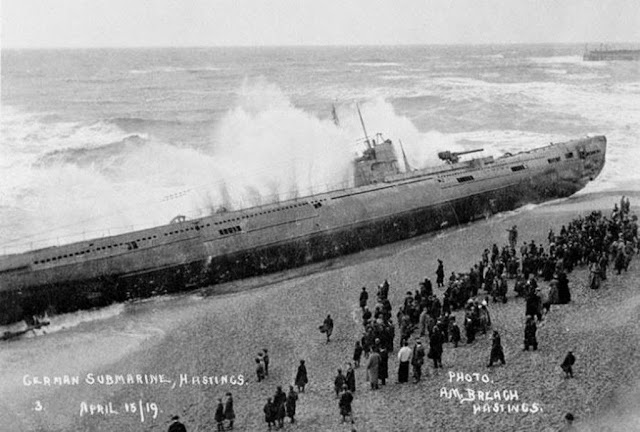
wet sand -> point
(220, 335)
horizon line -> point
(308, 45)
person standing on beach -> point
(435, 347)
(269, 414)
(454, 332)
(404, 356)
(279, 401)
(530, 330)
(417, 360)
(513, 237)
(383, 370)
(567, 365)
(364, 296)
(357, 354)
(338, 382)
(259, 370)
(176, 426)
(497, 354)
(265, 359)
(594, 275)
(534, 303)
(327, 327)
(301, 377)
(346, 398)
(350, 378)
(440, 274)
(373, 365)
(568, 424)
(292, 400)
(219, 416)
(564, 294)
(229, 413)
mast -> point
(363, 128)
(404, 157)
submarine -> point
(385, 204)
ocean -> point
(101, 141)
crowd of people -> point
(595, 241)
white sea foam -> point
(556, 71)
(575, 59)
(66, 321)
(375, 64)
(174, 69)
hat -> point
(569, 417)
(175, 417)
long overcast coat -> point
(373, 367)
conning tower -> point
(377, 162)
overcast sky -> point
(121, 23)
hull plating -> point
(83, 294)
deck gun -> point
(454, 157)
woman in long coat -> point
(435, 347)
(229, 413)
(530, 330)
(373, 366)
(279, 401)
(497, 354)
(564, 295)
(269, 414)
(219, 416)
(292, 399)
(301, 376)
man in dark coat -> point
(497, 354)
(269, 414)
(454, 331)
(292, 399)
(357, 354)
(440, 274)
(530, 330)
(259, 370)
(366, 316)
(176, 426)
(364, 296)
(279, 401)
(346, 398)
(338, 382)
(350, 378)
(435, 347)
(219, 416)
(564, 295)
(229, 413)
(469, 327)
(327, 327)
(534, 305)
(567, 365)
(373, 368)
(417, 360)
(301, 377)
(383, 370)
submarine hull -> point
(201, 261)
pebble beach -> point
(217, 333)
